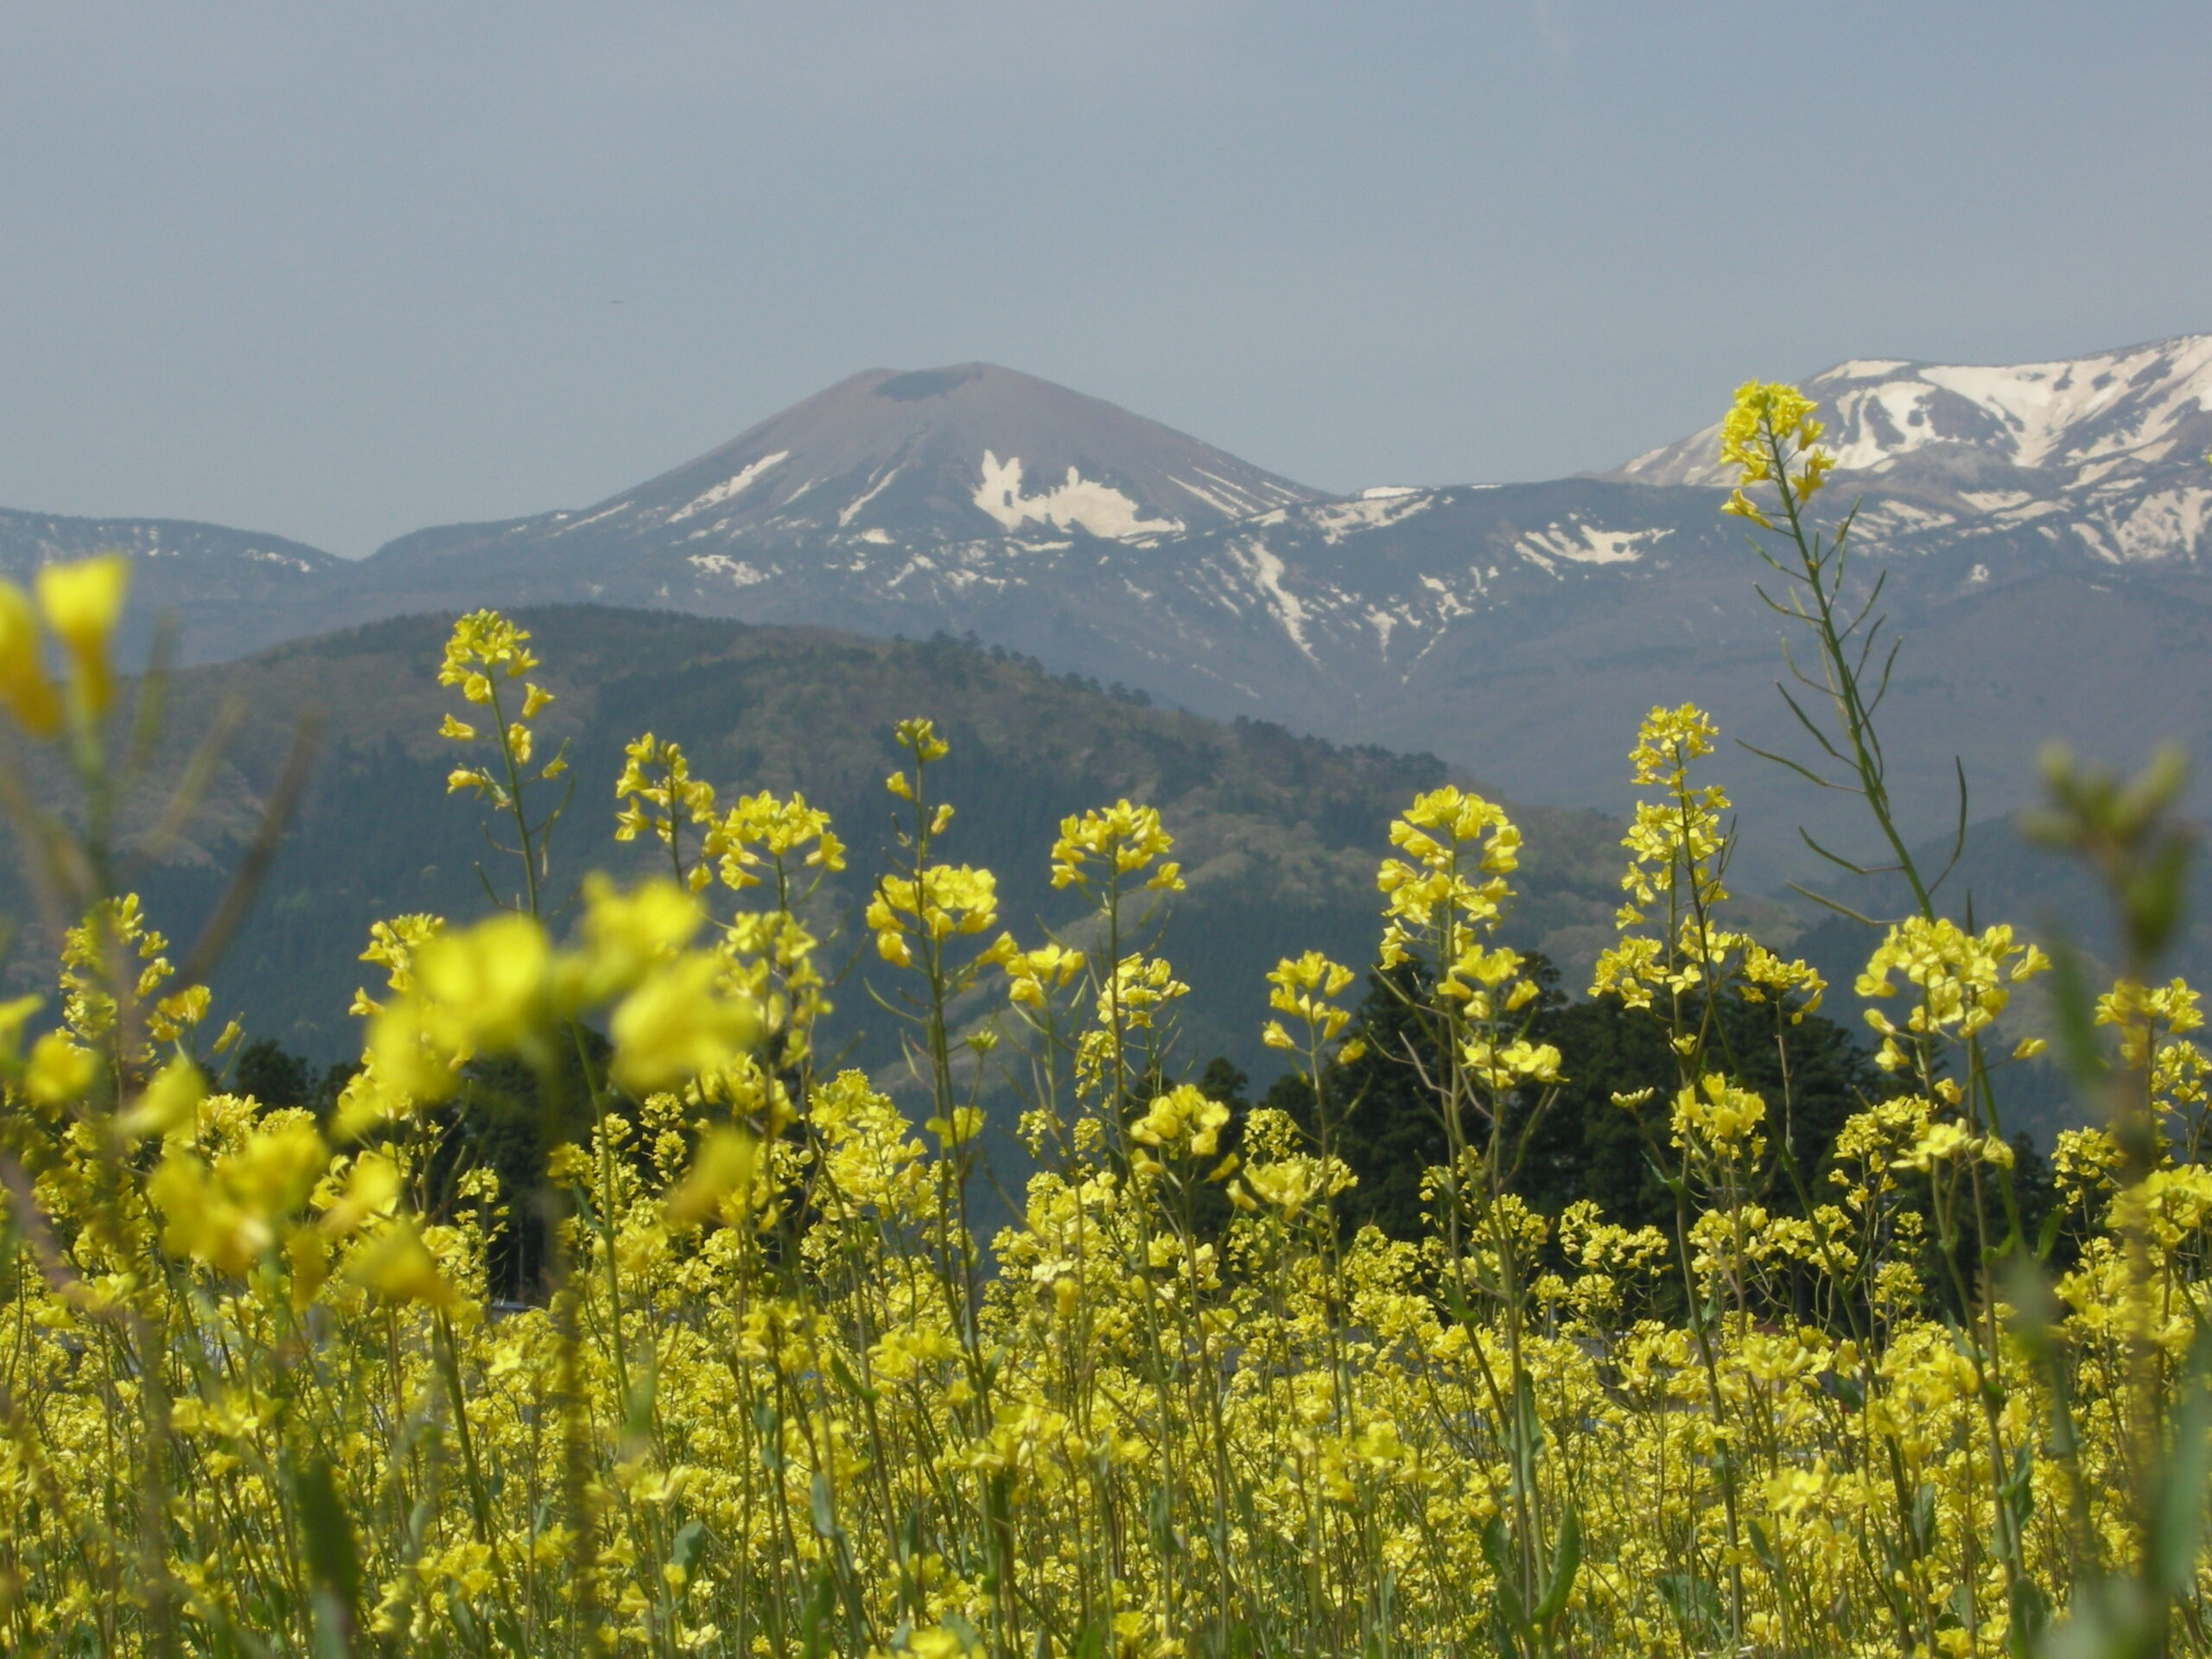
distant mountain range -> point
(2046, 526)
(228, 591)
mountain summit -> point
(959, 452)
(971, 451)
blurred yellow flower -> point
(82, 602)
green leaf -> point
(2071, 1001)
(2019, 1490)
(637, 1405)
(684, 1552)
(850, 1384)
(772, 1439)
(333, 1562)
(1762, 1548)
(816, 1612)
(1497, 1549)
(1566, 1561)
(1923, 1519)
(2180, 1500)
(2031, 1608)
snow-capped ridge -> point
(2142, 403)
(2113, 443)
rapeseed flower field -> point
(734, 1371)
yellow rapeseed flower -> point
(30, 696)
(82, 602)
(1768, 430)
(1123, 838)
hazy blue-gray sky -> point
(338, 271)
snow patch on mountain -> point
(732, 487)
(851, 510)
(566, 526)
(2164, 526)
(1228, 497)
(2053, 410)
(740, 574)
(1264, 568)
(266, 555)
(1078, 503)
(1220, 501)
(1338, 519)
(1447, 604)
(1582, 543)
(1900, 517)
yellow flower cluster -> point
(1501, 1067)
(1964, 980)
(1450, 886)
(2140, 1012)
(763, 823)
(728, 1366)
(79, 603)
(486, 649)
(1033, 976)
(657, 792)
(942, 901)
(1678, 850)
(1182, 1120)
(1768, 430)
(1136, 990)
(501, 988)
(1302, 988)
(1714, 1113)
(1120, 840)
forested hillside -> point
(1279, 834)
